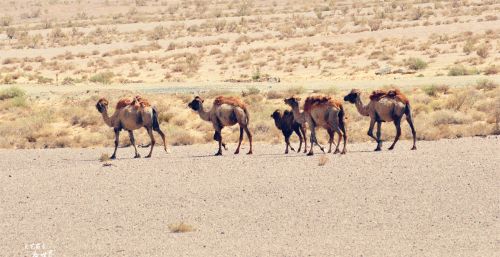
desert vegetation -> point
(70, 119)
(171, 41)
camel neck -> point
(297, 115)
(106, 118)
(204, 115)
(362, 109)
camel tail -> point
(247, 114)
(156, 123)
(341, 118)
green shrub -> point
(460, 70)
(103, 77)
(12, 97)
(415, 63)
(433, 90)
(250, 91)
(11, 92)
(44, 80)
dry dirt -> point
(441, 200)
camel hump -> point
(397, 94)
(392, 93)
(230, 100)
(320, 100)
(136, 102)
(139, 101)
(123, 103)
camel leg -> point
(331, 135)
(337, 150)
(287, 141)
(313, 138)
(163, 138)
(397, 123)
(297, 131)
(286, 145)
(370, 130)
(249, 135)
(132, 141)
(117, 140)
(303, 130)
(150, 133)
(413, 132)
(239, 142)
(379, 132)
(344, 136)
(218, 138)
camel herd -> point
(318, 111)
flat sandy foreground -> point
(441, 200)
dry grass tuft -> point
(180, 228)
(104, 157)
(322, 160)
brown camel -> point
(132, 114)
(225, 111)
(325, 112)
(287, 124)
(384, 106)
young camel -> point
(324, 112)
(225, 111)
(384, 106)
(132, 114)
(287, 124)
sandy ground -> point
(441, 200)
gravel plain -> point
(441, 200)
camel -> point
(384, 106)
(225, 111)
(324, 112)
(129, 115)
(287, 124)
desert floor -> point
(441, 200)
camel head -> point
(292, 101)
(276, 115)
(352, 96)
(102, 105)
(196, 103)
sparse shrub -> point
(469, 46)
(11, 32)
(433, 90)
(296, 90)
(12, 97)
(44, 80)
(491, 70)
(103, 77)
(374, 24)
(256, 75)
(157, 33)
(5, 21)
(250, 91)
(415, 63)
(446, 117)
(272, 94)
(486, 84)
(460, 70)
(483, 50)
(11, 92)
